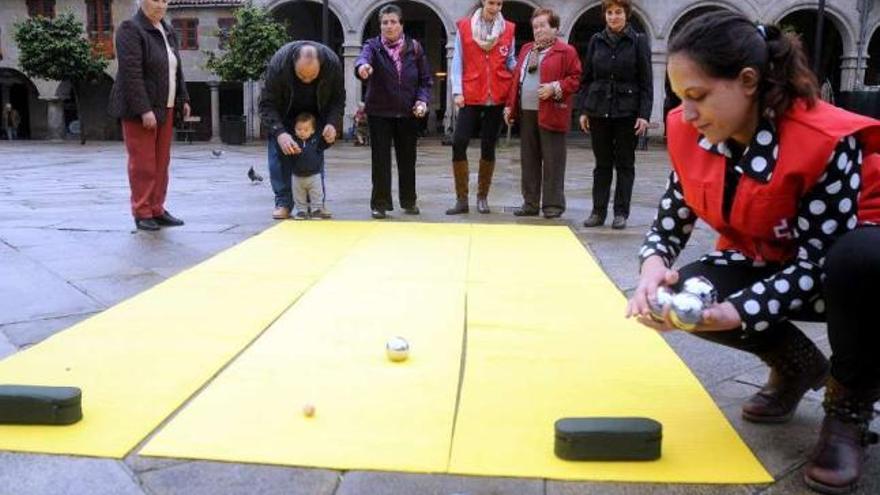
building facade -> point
(850, 59)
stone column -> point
(450, 106)
(849, 74)
(257, 120)
(350, 53)
(252, 109)
(215, 110)
(658, 67)
(55, 119)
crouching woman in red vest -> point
(792, 186)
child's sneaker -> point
(301, 215)
(322, 214)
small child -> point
(308, 167)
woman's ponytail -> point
(787, 75)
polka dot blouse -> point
(825, 213)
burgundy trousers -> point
(149, 153)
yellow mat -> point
(328, 351)
(140, 360)
(545, 339)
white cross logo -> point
(783, 231)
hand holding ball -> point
(686, 307)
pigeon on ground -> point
(254, 176)
(216, 153)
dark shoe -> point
(796, 367)
(550, 215)
(525, 211)
(321, 214)
(301, 215)
(461, 206)
(836, 462)
(483, 205)
(379, 214)
(594, 220)
(619, 222)
(413, 210)
(168, 220)
(147, 224)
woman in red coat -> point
(547, 74)
(792, 185)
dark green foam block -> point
(39, 405)
(608, 439)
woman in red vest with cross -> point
(481, 76)
(792, 186)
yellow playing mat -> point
(140, 360)
(543, 336)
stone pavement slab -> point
(368, 482)
(28, 474)
(214, 478)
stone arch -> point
(837, 17)
(872, 52)
(673, 21)
(335, 9)
(448, 23)
(641, 15)
(17, 89)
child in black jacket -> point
(308, 168)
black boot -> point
(795, 367)
(835, 465)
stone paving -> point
(67, 251)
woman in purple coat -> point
(398, 92)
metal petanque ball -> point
(703, 288)
(664, 296)
(686, 311)
(397, 349)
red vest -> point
(763, 216)
(485, 74)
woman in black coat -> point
(615, 104)
(149, 86)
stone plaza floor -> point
(68, 251)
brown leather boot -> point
(835, 465)
(460, 172)
(795, 367)
(484, 181)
